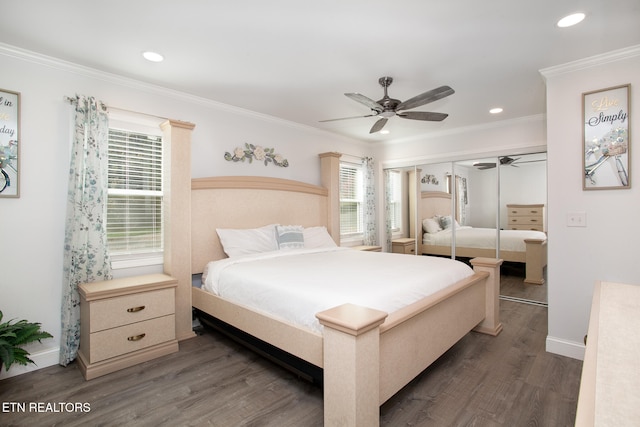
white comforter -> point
(295, 285)
(483, 238)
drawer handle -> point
(534, 220)
(136, 337)
(135, 309)
(534, 212)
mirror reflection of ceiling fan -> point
(388, 107)
(504, 161)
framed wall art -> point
(9, 143)
(606, 139)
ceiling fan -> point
(504, 161)
(388, 107)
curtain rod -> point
(72, 101)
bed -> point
(366, 353)
(521, 246)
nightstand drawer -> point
(406, 245)
(123, 310)
(525, 220)
(126, 339)
(532, 227)
(526, 211)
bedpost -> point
(536, 260)
(177, 218)
(415, 208)
(330, 179)
(491, 324)
(351, 359)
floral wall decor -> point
(261, 154)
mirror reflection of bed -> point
(494, 199)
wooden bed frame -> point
(366, 355)
(433, 203)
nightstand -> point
(405, 245)
(126, 321)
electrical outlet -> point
(577, 219)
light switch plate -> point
(577, 219)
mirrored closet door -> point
(523, 198)
(464, 209)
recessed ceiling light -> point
(571, 20)
(496, 110)
(152, 56)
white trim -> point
(457, 156)
(49, 61)
(468, 129)
(593, 61)
(119, 262)
(572, 349)
(43, 359)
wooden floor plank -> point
(507, 380)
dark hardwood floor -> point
(508, 380)
(512, 284)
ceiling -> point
(295, 59)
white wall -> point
(606, 248)
(32, 226)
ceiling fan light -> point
(384, 131)
(571, 20)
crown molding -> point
(593, 61)
(71, 67)
(473, 128)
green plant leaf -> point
(13, 336)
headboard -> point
(434, 203)
(249, 202)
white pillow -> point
(248, 241)
(289, 237)
(431, 225)
(317, 237)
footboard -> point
(365, 351)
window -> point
(395, 200)
(134, 203)
(351, 201)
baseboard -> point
(43, 359)
(572, 349)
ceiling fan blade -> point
(425, 98)
(346, 118)
(483, 166)
(423, 115)
(366, 101)
(377, 126)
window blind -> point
(134, 205)
(351, 199)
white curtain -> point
(86, 257)
(370, 229)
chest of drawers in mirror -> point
(526, 217)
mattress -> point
(483, 238)
(294, 285)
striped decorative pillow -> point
(290, 236)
